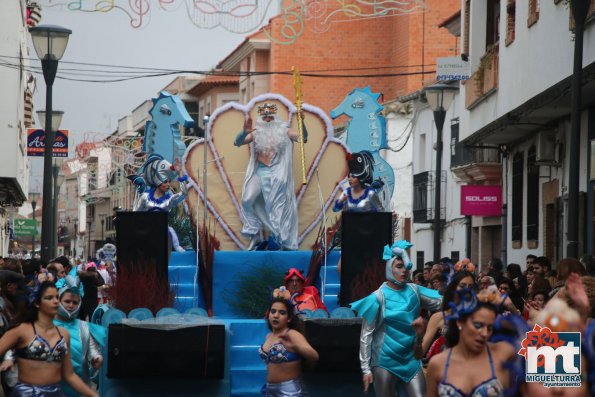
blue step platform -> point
(182, 272)
(230, 265)
(247, 372)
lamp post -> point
(33, 197)
(56, 119)
(89, 238)
(439, 97)
(50, 43)
(58, 179)
(76, 238)
(102, 229)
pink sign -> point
(481, 200)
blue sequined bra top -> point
(277, 354)
(40, 350)
(489, 387)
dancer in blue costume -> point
(361, 195)
(86, 339)
(390, 324)
(156, 174)
(283, 351)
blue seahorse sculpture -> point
(162, 132)
(367, 131)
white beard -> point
(269, 136)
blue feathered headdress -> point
(398, 250)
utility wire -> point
(112, 76)
(176, 70)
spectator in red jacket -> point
(306, 297)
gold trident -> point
(297, 85)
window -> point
(533, 13)
(421, 153)
(532, 196)
(459, 154)
(421, 194)
(493, 23)
(192, 108)
(517, 199)
(510, 21)
(419, 260)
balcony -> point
(473, 165)
(485, 79)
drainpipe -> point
(579, 11)
(504, 243)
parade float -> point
(199, 332)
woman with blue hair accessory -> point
(472, 366)
(86, 339)
(362, 194)
(391, 328)
(154, 190)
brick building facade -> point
(406, 44)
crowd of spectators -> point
(561, 297)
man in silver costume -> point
(268, 195)
(391, 328)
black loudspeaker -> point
(336, 341)
(364, 235)
(196, 352)
(142, 238)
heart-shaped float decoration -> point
(326, 168)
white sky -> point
(169, 40)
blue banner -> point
(36, 143)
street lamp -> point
(102, 223)
(76, 238)
(439, 97)
(56, 120)
(58, 180)
(33, 197)
(50, 43)
(89, 239)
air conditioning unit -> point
(546, 147)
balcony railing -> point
(485, 79)
(474, 165)
(470, 155)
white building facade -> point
(454, 231)
(14, 81)
(518, 100)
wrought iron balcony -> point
(473, 165)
